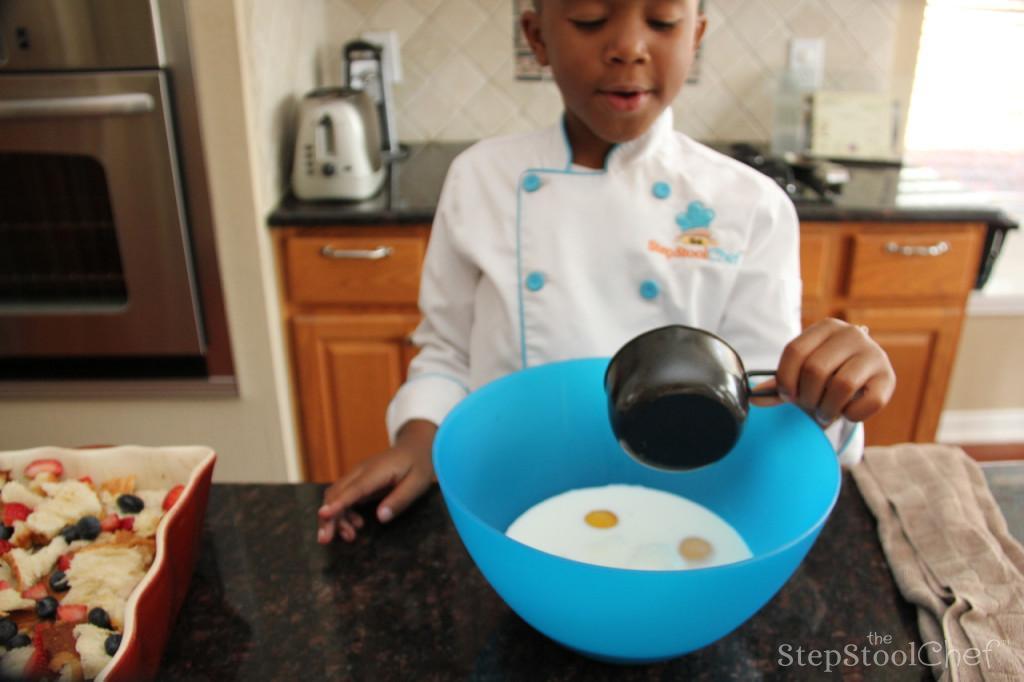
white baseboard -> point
(986, 304)
(981, 426)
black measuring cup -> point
(678, 397)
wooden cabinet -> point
(348, 367)
(353, 269)
(349, 301)
(909, 284)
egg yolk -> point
(601, 518)
(694, 548)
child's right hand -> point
(400, 474)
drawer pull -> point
(903, 250)
(358, 254)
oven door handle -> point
(69, 107)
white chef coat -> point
(533, 260)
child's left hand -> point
(834, 369)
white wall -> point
(280, 43)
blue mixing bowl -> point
(545, 430)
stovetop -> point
(797, 179)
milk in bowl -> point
(629, 526)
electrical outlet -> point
(392, 58)
(807, 62)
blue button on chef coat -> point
(531, 183)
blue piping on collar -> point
(519, 241)
(568, 149)
(567, 170)
(519, 269)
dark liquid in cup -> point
(677, 431)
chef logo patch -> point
(693, 237)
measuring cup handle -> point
(764, 392)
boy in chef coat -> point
(568, 242)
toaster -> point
(338, 146)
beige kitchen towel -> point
(951, 555)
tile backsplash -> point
(458, 64)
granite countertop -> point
(1006, 481)
(406, 602)
(875, 192)
(409, 195)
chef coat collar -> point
(620, 155)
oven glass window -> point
(58, 242)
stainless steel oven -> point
(99, 222)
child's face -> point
(618, 63)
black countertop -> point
(875, 192)
(409, 195)
(405, 601)
(1006, 481)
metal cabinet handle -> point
(903, 250)
(63, 107)
(357, 254)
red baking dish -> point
(153, 606)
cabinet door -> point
(349, 367)
(819, 264)
(921, 343)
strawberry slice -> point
(110, 523)
(128, 523)
(172, 496)
(4, 585)
(38, 665)
(37, 591)
(87, 480)
(5, 547)
(73, 613)
(15, 511)
(44, 465)
(64, 562)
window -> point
(966, 117)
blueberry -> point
(59, 582)
(7, 630)
(130, 504)
(19, 641)
(6, 532)
(70, 533)
(46, 608)
(112, 643)
(99, 618)
(88, 527)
